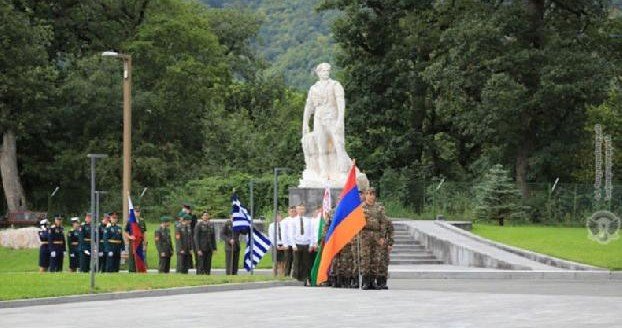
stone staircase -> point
(406, 250)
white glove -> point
(87, 252)
(53, 254)
(101, 254)
(72, 255)
(109, 254)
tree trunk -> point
(522, 166)
(13, 191)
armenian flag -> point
(349, 219)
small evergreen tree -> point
(497, 197)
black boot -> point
(354, 282)
(367, 285)
(337, 282)
(382, 283)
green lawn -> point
(27, 260)
(566, 243)
(34, 285)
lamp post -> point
(127, 127)
(94, 245)
(276, 211)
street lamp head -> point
(110, 54)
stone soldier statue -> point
(57, 244)
(113, 244)
(184, 244)
(74, 244)
(205, 243)
(131, 262)
(84, 241)
(371, 239)
(44, 250)
(164, 244)
(232, 247)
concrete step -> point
(418, 261)
(405, 242)
(408, 248)
(413, 256)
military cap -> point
(58, 217)
(371, 189)
(75, 219)
(44, 222)
(165, 218)
(186, 217)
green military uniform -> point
(84, 240)
(386, 232)
(232, 252)
(131, 263)
(164, 245)
(183, 245)
(370, 244)
(205, 244)
(113, 245)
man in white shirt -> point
(280, 246)
(287, 243)
(300, 234)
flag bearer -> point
(131, 264)
(232, 247)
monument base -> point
(312, 198)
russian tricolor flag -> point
(349, 219)
(137, 243)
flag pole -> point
(251, 234)
(358, 247)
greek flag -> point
(261, 245)
(241, 218)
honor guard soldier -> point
(131, 263)
(164, 244)
(183, 244)
(44, 250)
(100, 230)
(56, 244)
(232, 247)
(371, 239)
(84, 240)
(204, 243)
(113, 244)
(386, 246)
(74, 244)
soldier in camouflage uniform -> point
(385, 247)
(371, 239)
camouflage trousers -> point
(382, 258)
(370, 249)
(345, 264)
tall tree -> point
(24, 88)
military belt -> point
(114, 241)
(57, 242)
(87, 239)
(74, 243)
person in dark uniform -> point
(183, 244)
(113, 245)
(187, 209)
(84, 247)
(100, 230)
(57, 245)
(131, 264)
(232, 247)
(74, 244)
(44, 250)
(164, 244)
(205, 243)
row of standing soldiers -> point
(192, 237)
(77, 243)
(368, 251)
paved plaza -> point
(409, 303)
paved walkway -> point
(409, 303)
(431, 228)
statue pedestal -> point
(311, 197)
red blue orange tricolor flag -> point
(346, 223)
(137, 243)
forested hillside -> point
(293, 38)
